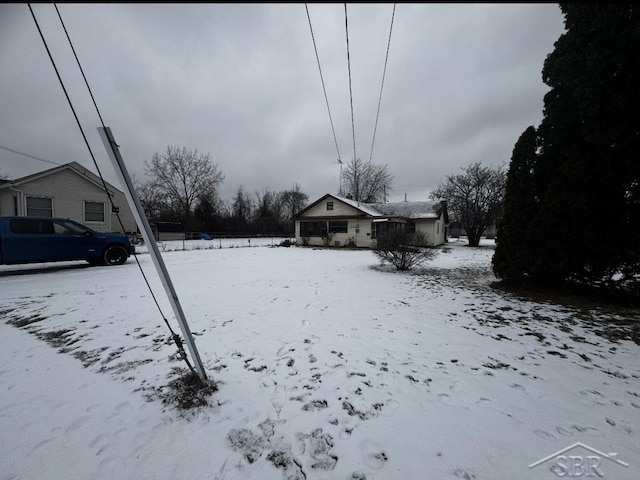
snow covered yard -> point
(328, 366)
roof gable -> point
(75, 167)
(363, 208)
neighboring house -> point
(68, 191)
(337, 221)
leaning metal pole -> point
(141, 219)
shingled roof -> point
(411, 210)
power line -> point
(81, 71)
(28, 155)
(353, 128)
(375, 128)
(322, 80)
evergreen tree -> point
(587, 172)
(520, 207)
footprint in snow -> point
(285, 349)
(593, 396)
(41, 444)
(279, 397)
(373, 454)
(456, 386)
(390, 408)
(544, 435)
(75, 425)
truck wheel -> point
(115, 255)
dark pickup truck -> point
(45, 239)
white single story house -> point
(338, 221)
(68, 191)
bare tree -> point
(402, 250)
(241, 210)
(474, 198)
(366, 182)
(208, 212)
(268, 211)
(294, 201)
(184, 176)
(152, 200)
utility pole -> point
(141, 219)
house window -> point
(338, 226)
(380, 229)
(329, 205)
(94, 211)
(39, 207)
(438, 227)
(313, 229)
(410, 227)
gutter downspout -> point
(20, 202)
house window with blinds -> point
(39, 207)
(94, 211)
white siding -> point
(126, 216)
(339, 209)
(433, 230)
(6, 201)
(428, 230)
(360, 231)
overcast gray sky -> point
(241, 82)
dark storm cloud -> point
(241, 82)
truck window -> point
(68, 228)
(31, 226)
